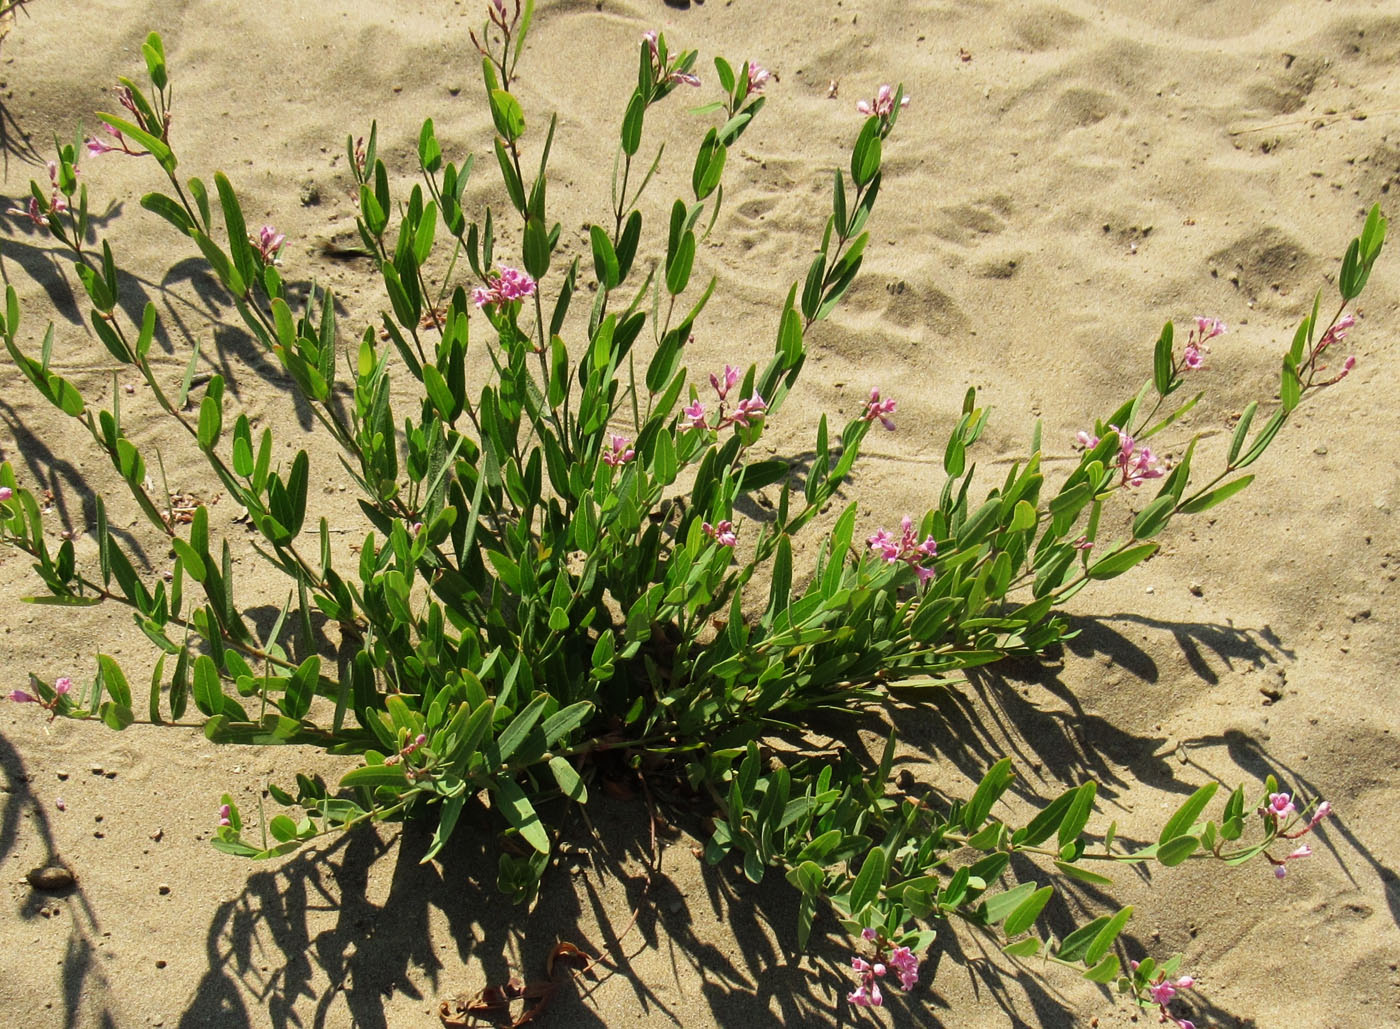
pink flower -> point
(1192, 357)
(869, 934)
(695, 416)
(269, 243)
(881, 409)
(1337, 332)
(906, 962)
(883, 104)
(748, 410)
(723, 533)
(1083, 543)
(908, 548)
(1185, 982)
(1280, 806)
(1209, 328)
(1086, 440)
(30, 211)
(1280, 871)
(1162, 993)
(504, 286)
(725, 382)
(62, 685)
(1137, 464)
(758, 78)
(21, 697)
(684, 78)
(620, 453)
(867, 994)
(5, 493)
(224, 815)
(649, 37)
(1323, 810)
(1302, 852)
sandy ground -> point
(1068, 176)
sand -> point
(1068, 176)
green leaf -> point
(519, 812)
(1027, 948)
(114, 681)
(1116, 564)
(514, 734)
(1098, 947)
(1027, 912)
(1175, 851)
(1105, 971)
(866, 888)
(1083, 874)
(993, 785)
(1077, 816)
(1003, 904)
(373, 776)
(506, 113)
(568, 779)
(1162, 362)
(116, 716)
(1187, 815)
(208, 691)
(1218, 495)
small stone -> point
(310, 193)
(96, 769)
(1196, 589)
(51, 878)
(1271, 693)
(157, 835)
(63, 776)
(163, 889)
(454, 89)
(160, 962)
(110, 774)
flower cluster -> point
(96, 146)
(57, 204)
(506, 285)
(620, 453)
(1335, 334)
(1281, 815)
(666, 73)
(225, 816)
(1193, 354)
(883, 103)
(745, 413)
(902, 959)
(1137, 464)
(723, 533)
(758, 78)
(907, 548)
(1163, 990)
(269, 243)
(881, 409)
(62, 686)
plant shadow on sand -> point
(305, 940)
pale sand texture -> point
(1092, 170)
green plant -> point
(553, 575)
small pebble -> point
(51, 878)
(1196, 589)
(63, 776)
(163, 889)
(96, 769)
(160, 962)
(59, 803)
(157, 835)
